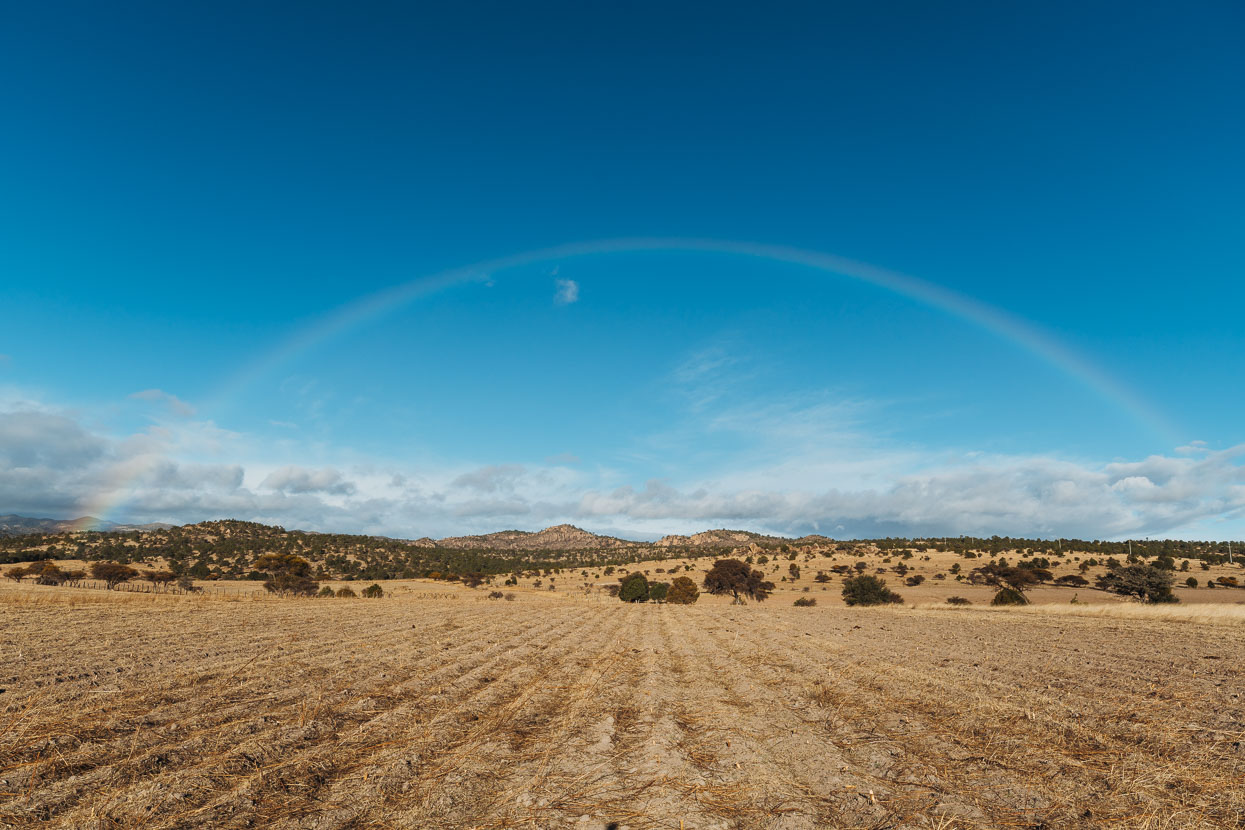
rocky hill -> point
(558, 537)
(718, 539)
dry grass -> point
(1202, 613)
(177, 712)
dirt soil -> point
(471, 713)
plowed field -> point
(487, 714)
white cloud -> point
(292, 479)
(801, 470)
(567, 293)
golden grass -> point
(1205, 613)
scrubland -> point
(440, 708)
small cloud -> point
(563, 458)
(568, 292)
(176, 404)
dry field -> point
(411, 712)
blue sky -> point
(193, 195)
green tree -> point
(658, 591)
(868, 590)
(633, 588)
(1146, 582)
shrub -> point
(822, 576)
(730, 576)
(1191, 582)
(658, 591)
(958, 601)
(495, 594)
(509, 597)
(326, 591)
(287, 574)
(683, 591)
(914, 581)
(868, 590)
(633, 588)
(1146, 582)
(373, 591)
(804, 602)
(1229, 581)
(1072, 581)
(346, 593)
(1009, 596)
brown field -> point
(553, 711)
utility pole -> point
(1130, 548)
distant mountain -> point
(18, 525)
(558, 537)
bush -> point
(914, 581)
(495, 594)
(683, 591)
(633, 588)
(658, 591)
(1191, 582)
(1072, 581)
(958, 601)
(373, 591)
(510, 597)
(346, 593)
(1009, 596)
(868, 590)
(326, 591)
(804, 602)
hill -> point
(558, 537)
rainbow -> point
(368, 308)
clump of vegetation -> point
(958, 601)
(1191, 582)
(112, 573)
(373, 591)
(633, 588)
(1072, 581)
(288, 575)
(326, 591)
(658, 591)
(1146, 582)
(683, 591)
(346, 593)
(510, 597)
(914, 581)
(495, 594)
(730, 576)
(1009, 596)
(804, 602)
(868, 590)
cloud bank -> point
(52, 463)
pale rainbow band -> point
(359, 312)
